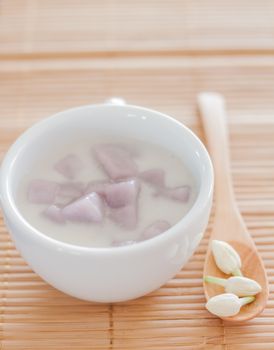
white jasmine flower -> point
(226, 257)
(241, 286)
(227, 304)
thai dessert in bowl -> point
(106, 191)
(107, 202)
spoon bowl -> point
(228, 224)
(252, 267)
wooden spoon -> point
(228, 224)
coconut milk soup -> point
(106, 191)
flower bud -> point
(227, 304)
(226, 258)
(241, 286)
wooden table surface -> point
(56, 54)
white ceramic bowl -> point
(108, 274)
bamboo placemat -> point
(79, 27)
(59, 54)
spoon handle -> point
(212, 110)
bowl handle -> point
(116, 101)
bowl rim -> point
(10, 208)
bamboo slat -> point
(59, 54)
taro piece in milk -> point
(108, 192)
